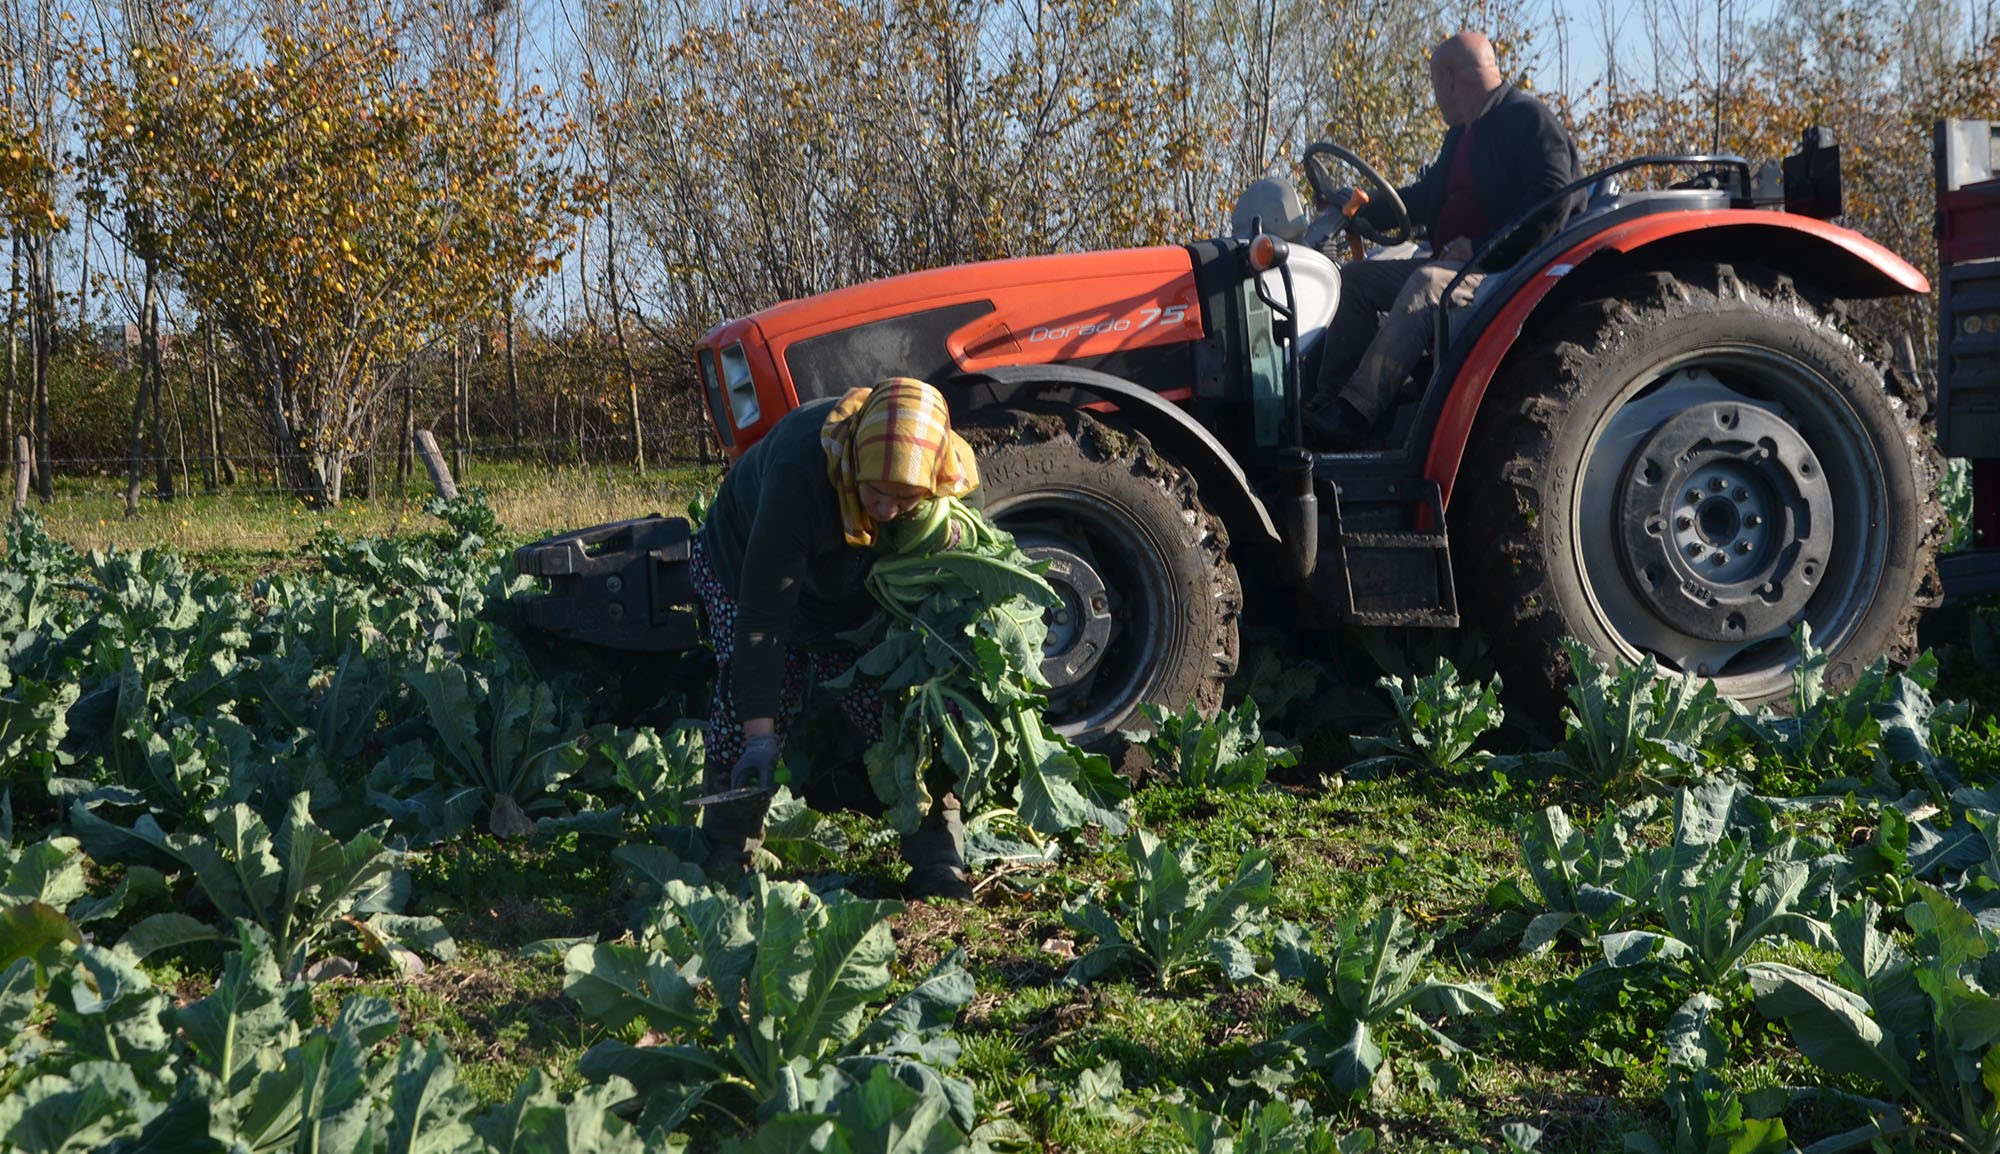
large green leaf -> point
(1691, 1041)
(616, 983)
(90, 1107)
(922, 1012)
(1374, 967)
(237, 869)
(35, 933)
(536, 1121)
(50, 872)
(875, 1115)
(320, 1096)
(428, 1109)
(165, 932)
(1354, 1063)
(819, 964)
(1172, 915)
(1874, 966)
(252, 1013)
(109, 1010)
(1828, 1024)
(1060, 786)
(20, 996)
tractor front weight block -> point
(621, 585)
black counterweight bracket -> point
(621, 585)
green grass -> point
(247, 531)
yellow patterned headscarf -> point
(898, 432)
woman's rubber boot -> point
(733, 830)
(936, 853)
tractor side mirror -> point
(1812, 176)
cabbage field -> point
(345, 859)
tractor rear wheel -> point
(1150, 597)
(1688, 467)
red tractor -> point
(1659, 433)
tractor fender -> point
(1224, 488)
(1843, 261)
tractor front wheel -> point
(1150, 597)
(1690, 467)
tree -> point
(31, 129)
(356, 191)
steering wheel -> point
(1320, 176)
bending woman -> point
(780, 564)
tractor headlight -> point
(742, 390)
(711, 384)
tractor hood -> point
(941, 323)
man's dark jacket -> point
(1520, 154)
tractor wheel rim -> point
(1726, 519)
(1080, 626)
(1118, 579)
(1641, 533)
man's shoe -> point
(936, 853)
(1338, 428)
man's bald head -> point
(1464, 74)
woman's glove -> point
(759, 764)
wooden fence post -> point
(427, 448)
(24, 469)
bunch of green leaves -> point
(1718, 897)
(297, 883)
(1587, 882)
(1976, 884)
(661, 771)
(1822, 735)
(29, 550)
(41, 606)
(172, 770)
(1275, 1127)
(1911, 755)
(34, 727)
(119, 1064)
(469, 519)
(877, 1113)
(957, 648)
(758, 999)
(1438, 720)
(1226, 753)
(422, 598)
(1629, 730)
(45, 897)
(180, 633)
(1921, 1025)
(1171, 916)
(1365, 981)
(324, 710)
(1291, 693)
(512, 736)
(157, 661)
(1600, 1019)
(1710, 1118)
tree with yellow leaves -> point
(356, 190)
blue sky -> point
(1579, 31)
